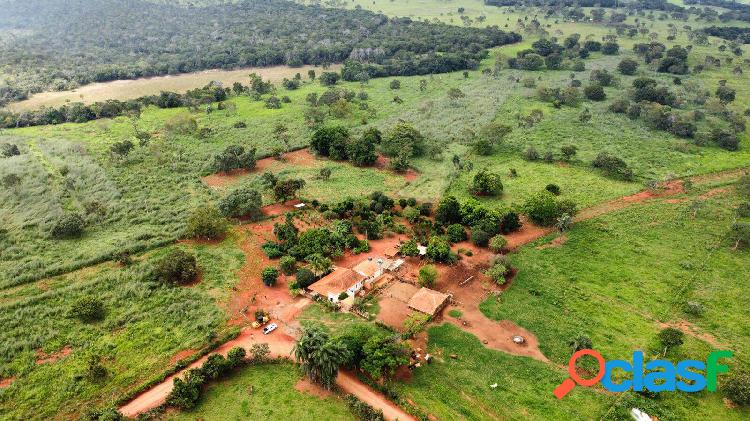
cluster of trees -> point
(187, 390)
(337, 143)
(547, 53)
(359, 346)
(484, 223)
(732, 33)
(137, 39)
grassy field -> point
(264, 392)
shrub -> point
(68, 226)
(425, 209)
(479, 237)
(206, 223)
(395, 84)
(580, 342)
(409, 248)
(448, 211)
(215, 366)
(595, 92)
(438, 249)
(243, 201)
(498, 243)
(87, 309)
(8, 149)
(553, 188)
(288, 265)
(610, 48)
(671, 338)
(185, 393)
(181, 124)
(693, 308)
(613, 166)
(269, 276)
(619, 106)
(486, 183)
(510, 222)
(627, 66)
(236, 356)
(177, 267)
(304, 278)
(497, 273)
(743, 210)
(456, 233)
(737, 388)
(544, 209)
(531, 154)
(403, 139)
(428, 274)
(272, 250)
(363, 411)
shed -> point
(428, 301)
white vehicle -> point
(270, 328)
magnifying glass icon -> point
(568, 384)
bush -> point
(438, 249)
(619, 106)
(215, 366)
(510, 222)
(448, 211)
(553, 188)
(737, 388)
(531, 154)
(206, 223)
(479, 237)
(87, 309)
(486, 183)
(595, 92)
(627, 66)
(610, 48)
(186, 392)
(497, 273)
(395, 84)
(243, 201)
(613, 166)
(456, 233)
(272, 250)
(288, 265)
(671, 337)
(543, 208)
(403, 139)
(177, 267)
(304, 278)
(428, 274)
(409, 248)
(743, 210)
(68, 226)
(269, 276)
(363, 411)
(498, 243)
(236, 356)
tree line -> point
(60, 49)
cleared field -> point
(131, 89)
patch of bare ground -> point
(527, 234)
(671, 188)
(44, 358)
(186, 353)
(6, 381)
(304, 385)
(277, 209)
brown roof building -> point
(338, 281)
(428, 301)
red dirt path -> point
(43, 358)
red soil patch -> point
(715, 192)
(304, 385)
(383, 163)
(528, 233)
(222, 179)
(5, 382)
(300, 157)
(280, 208)
(44, 358)
(186, 353)
(377, 249)
(664, 190)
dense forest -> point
(636, 4)
(59, 45)
(732, 33)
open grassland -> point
(145, 326)
(623, 277)
(136, 88)
(264, 392)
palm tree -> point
(320, 356)
(319, 264)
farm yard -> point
(348, 235)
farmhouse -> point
(428, 301)
(337, 282)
